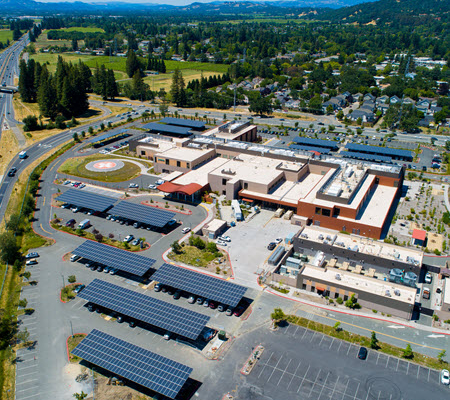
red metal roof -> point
(419, 234)
(188, 189)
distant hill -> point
(409, 12)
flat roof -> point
(447, 291)
(360, 283)
(188, 154)
(138, 212)
(105, 136)
(367, 157)
(330, 144)
(203, 285)
(113, 257)
(175, 130)
(200, 175)
(183, 122)
(144, 308)
(379, 150)
(86, 199)
(363, 245)
(133, 363)
(419, 234)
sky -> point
(172, 2)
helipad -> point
(105, 165)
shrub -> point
(339, 300)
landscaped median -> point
(337, 332)
(72, 342)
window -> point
(178, 164)
(326, 212)
(167, 161)
(318, 211)
(355, 231)
(336, 212)
(304, 286)
(345, 298)
(344, 229)
(224, 192)
(142, 152)
(188, 165)
(245, 185)
(224, 181)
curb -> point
(70, 284)
(188, 212)
(67, 344)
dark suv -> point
(271, 246)
(12, 171)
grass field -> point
(8, 148)
(43, 42)
(82, 29)
(157, 82)
(77, 167)
(5, 34)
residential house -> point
(366, 116)
(426, 121)
(383, 107)
(434, 110)
(368, 106)
(408, 100)
(369, 97)
(394, 100)
(357, 96)
(382, 100)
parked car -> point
(225, 238)
(186, 230)
(167, 335)
(132, 324)
(426, 293)
(74, 258)
(278, 240)
(172, 222)
(238, 311)
(113, 271)
(32, 255)
(133, 185)
(177, 295)
(33, 261)
(428, 278)
(200, 300)
(212, 305)
(128, 238)
(271, 246)
(76, 209)
(445, 377)
(153, 187)
(221, 243)
(229, 311)
(362, 353)
(136, 242)
(221, 308)
(71, 222)
(157, 287)
(191, 299)
(79, 288)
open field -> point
(8, 149)
(77, 167)
(5, 34)
(81, 29)
(43, 42)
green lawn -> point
(192, 256)
(81, 29)
(72, 342)
(5, 34)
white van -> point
(84, 224)
(74, 258)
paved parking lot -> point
(298, 363)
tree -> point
(27, 275)
(177, 90)
(407, 352)
(277, 315)
(441, 355)
(23, 336)
(80, 396)
(163, 108)
(75, 137)
(23, 303)
(352, 302)
(337, 326)
(373, 341)
(72, 279)
(132, 64)
(260, 105)
(9, 250)
(176, 247)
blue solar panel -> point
(85, 199)
(362, 156)
(144, 308)
(108, 135)
(134, 363)
(183, 122)
(330, 144)
(176, 130)
(200, 284)
(322, 150)
(384, 151)
(145, 214)
(113, 257)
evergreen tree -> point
(177, 90)
(133, 64)
(112, 91)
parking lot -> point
(298, 363)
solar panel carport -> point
(366, 157)
(113, 257)
(183, 122)
(106, 136)
(144, 308)
(134, 363)
(84, 199)
(322, 150)
(396, 154)
(145, 214)
(305, 141)
(200, 284)
(167, 129)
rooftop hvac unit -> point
(397, 292)
(388, 293)
(320, 237)
(338, 277)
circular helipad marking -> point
(105, 165)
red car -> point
(212, 305)
(238, 311)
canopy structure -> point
(188, 189)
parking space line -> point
(304, 333)
(321, 340)
(340, 344)
(23, 383)
(349, 347)
(429, 370)
(314, 384)
(296, 330)
(279, 380)
(331, 343)
(346, 386)
(354, 397)
(274, 368)
(31, 373)
(418, 369)
(387, 362)
(398, 361)
(312, 337)
(323, 385)
(264, 366)
(294, 374)
(24, 390)
(304, 376)
(335, 385)
(29, 397)
(378, 358)
(21, 369)
(407, 369)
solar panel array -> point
(176, 130)
(145, 214)
(183, 122)
(322, 150)
(134, 363)
(85, 199)
(108, 135)
(384, 151)
(144, 308)
(368, 157)
(200, 284)
(113, 257)
(329, 144)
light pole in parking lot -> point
(71, 328)
(62, 276)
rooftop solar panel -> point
(85, 199)
(368, 157)
(200, 284)
(144, 308)
(134, 363)
(330, 144)
(113, 257)
(108, 135)
(176, 130)
(145, 214)
(183, 122)
(322, 150)
(385, 151)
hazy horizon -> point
(171, 2)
